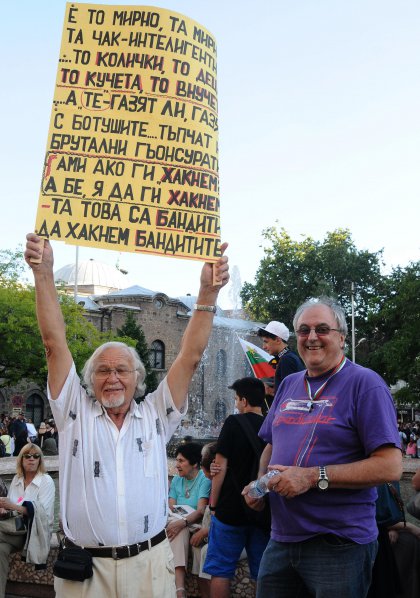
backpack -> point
(2, 449)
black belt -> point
(122, 552)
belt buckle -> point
(114, 553)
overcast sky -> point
(319, 126)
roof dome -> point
(92, 276)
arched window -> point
(221, 362)
(35, 409)
(157, 355)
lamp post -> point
(76, 274)
(353, 332)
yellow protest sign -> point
(132, 153)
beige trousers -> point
(180, 547)
(8, 543)
(150, 574)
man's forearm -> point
(384, 465)
(265, 459)
(50, 319)
(379, 468)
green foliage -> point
(394, 340)
(21, 349)
(22, 353)
(132, 330)
(11, 265)
(293, 271)
(386, 307)
(405, 396)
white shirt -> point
(31, 429)
(113, 483)
(41, 489)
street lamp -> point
(353, 332)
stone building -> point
(107, 295)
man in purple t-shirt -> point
(332, 434)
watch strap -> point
(210, 308)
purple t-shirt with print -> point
(353, 416)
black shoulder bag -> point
(74, 563)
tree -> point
(11, 265)
(293, 271)
(394, 341)
(133, 331)
(22, 354)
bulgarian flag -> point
(258, 359)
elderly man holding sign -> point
(113, 468)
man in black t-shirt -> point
(233, 528)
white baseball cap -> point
(278, 329)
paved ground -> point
(7, 467)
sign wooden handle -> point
(38, 260)
(216, 282)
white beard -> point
(116, 401)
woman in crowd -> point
(191, 489)
(199, 539)
(6, 440)
(30, 497)
(42, 435)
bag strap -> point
(399, 501)
(249, 433)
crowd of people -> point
(16, 431)
(410, 439)
(328, 439)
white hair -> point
(336, 309)
(89, 367)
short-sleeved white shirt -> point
(113, 483)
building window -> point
(158, 302)
(221, 362)
(157, 355)
(34, 409)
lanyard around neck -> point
(320, 390)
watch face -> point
(323, 484)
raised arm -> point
(50, 319)
(198, 331)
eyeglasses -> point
(122, 372)
(31, 456)
(320, 330)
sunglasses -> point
(31, 456)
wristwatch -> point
(211, 308)
(323, 482)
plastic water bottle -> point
(259, 487)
